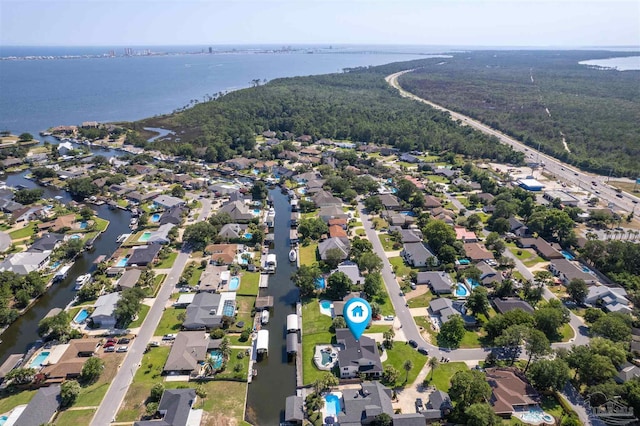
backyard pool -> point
(229, 308)
(55, 265)
(75, 237)
(462, 290)
(320, 283)
(145, 237)
(535, 416)
(39, 360)
(464, 261)
(234, 283)
(567, 255)
(155, 217)
(217, 358)
(256, 212)
(408, 213)
(3, 419)
(122, 262)
(248, 235)
(332, 404)
(83, 225)
(471, 283)
(586, 270)
(325, 307)
(81, 316)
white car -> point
(389, 318)
(122, 349)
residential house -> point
(167, 201)
(5, 241)
(324, 199)
(64, 148)
(518, 228)
(439, 282)
(207, 310)
(431, 202)
(476, 252)
(238, 211)
(351, 270)
(42, 407)
(240, 163)
(334, 243)
(8, 206)
(337, 231)
(438, 406)
(59, 223)
(189, 349)
(173, 215)
(119, 190)
(222, 254)
(160, 235)
(627, 372)
(24, 262)
(103, 314)
(66, 361)
(445, 309)
(489, 276)
(327, 213)
(464, 235)
(485, 198)
(510, 391)
(567, 271)
(510, 303)
(544, 249)
(397, 219)
(362, 405)
(342, 222)
(409, 158)
(175, 409)
(144, 255)
(233, 231)
(359, 357)
(390, 202)
(27, 214)
(446, 172)
(409, 236)
(613, 299)
(129, 279)
(48, 242)
(418, 255)
(139, 198)
(213, 277)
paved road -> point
(552, 165)
(120, 384)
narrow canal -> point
(276, 374)
(20, 335)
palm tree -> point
(635, 235)
(408, 365)
(433, 364)
(629, 232)
(608, 234)
(209, 366)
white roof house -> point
(103, 316)
(24, 262)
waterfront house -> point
(128, 279)
(161, 235)
(144, 255)
(351, 270)
(238, 211)
(213, 277)
(27, 214)
(418, 255)
(48, 242)
(359, 357)
(66, 361)
(175, 409)
(61, 222)
(439, 282)
(167, 201)
(207, 310)
(334, 243)
(233, 231)
(42, 407)
(24, 262)
(511, 391)
(188, 350)
(103, 314)
(222, 254)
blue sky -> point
(542, 23)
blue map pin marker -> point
(357, 314)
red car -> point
(109, 344)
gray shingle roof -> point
(203, 311)
(41, 408)
(293, 409)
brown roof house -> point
(222, 254)
(66, 361)
(510, 391)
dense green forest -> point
(597, 110)
(355, 105)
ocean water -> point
(628, 63)
(38, 94)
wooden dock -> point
(299, 380)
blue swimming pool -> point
(122, 262)
(471, 282)
(145, 237)
(408, 213)
(155, 217)
(320, 283)
(41, 358)
(55, 265)
(325, 304)
(234, 283)
(217, 358)
(256, 212)
(3, 419)
(464, 261)
(462, 290)
(567, 255)
(229, 308)
(586, 270)
(83, 225)
(248, 235)
(303, 191)
(332, 402)
(81, 316)
(75, 237)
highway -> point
(562, 171)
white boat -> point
(264, 317)
(122, 237)
(293, 255)
(82, 280)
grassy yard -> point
(92, 395)
(195, 277)
(249, 282)
(157, 282)
(567, 332)
(25, 232)
(471, 339)
(147, 375)
(438, 179)
(533, 261)
(521, 253)
(245, 305)
(379, 328)
(142, 314)
(75, 417)
(464, 201)
(387, 242)
(10, 401)
(229, 373)
(224, 404)
(397, 264)
(308, 254)
(315, 331)
(443, 374)
(168, 262)
(101, 224)
(361, 232)
(397, 357)
(421, 301)
(234, 339)
(386, 307)
(169, 323)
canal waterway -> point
(276, 374)
(21, 334)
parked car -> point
(154, 344)
(413, 286)
(124, 341)
(389, 318)
(413, 343)
(110, 349)
(109, 345)
(169, 337)
(122, 349)
(423, 351)
(111, 340)
(419, 404)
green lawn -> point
(25, 232)
(443, 374)
(567, 332)
(361, 232)
(471, 339)
(521, 253)
(387, 242)
(397, 264)
(315, 331)
(142, 314)
(386, 307)
(122, 203)
(308, 254)
(396, 357)
(249, 282)
(75, 417)
(421, 301)
(229, 373)
(245, 305)
(101, 224)
(169, 323)
(533, 261)
(9, 402)
(464, 201)
(168, 262)
(438, 179)
(234, 338)
(195, 277)
(224, 403)
(157, 282)
(379, 328)
(91, 396)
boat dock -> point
(299, 382)
(264, 281)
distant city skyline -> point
(505, 23)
